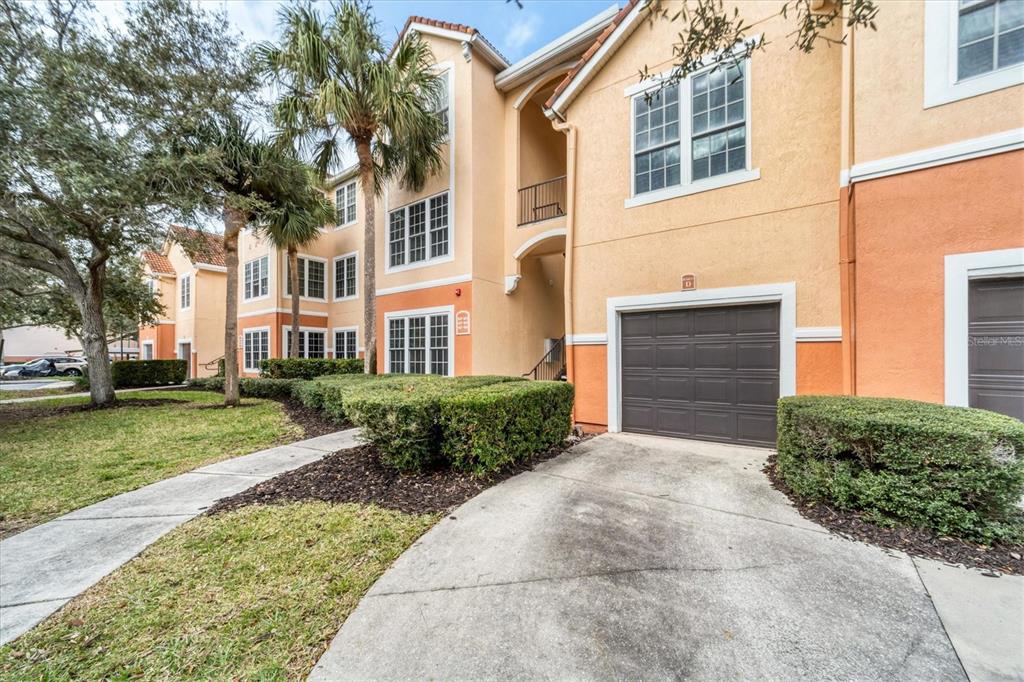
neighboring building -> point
(845, 221)
(27, 342)
(188, 276)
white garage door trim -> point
(783, 293)
(961, 268)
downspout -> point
(847, 227)
(570, 232)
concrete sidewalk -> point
(634, 557)
(44, 567)
(13, 401)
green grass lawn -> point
(252, 594)
(51, 464)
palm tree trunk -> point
(369, 257)
(234, 221)
(293, 278)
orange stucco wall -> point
(819, 368)
(905, 225)
(431, 298)
(162, 336)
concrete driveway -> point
(638, 557)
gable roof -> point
(158, 263)
(620, 28)
(201, 247)
(452, 31)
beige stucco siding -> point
(889, 112)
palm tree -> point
(338, 83)
(293, 223)
(254, 179)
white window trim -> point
(327, 280)
(152, 350)
(450, 256)
(941, 24)
(270, 281)
(687, 186)
(448, 66)
(284, 339)
(181, 288)
(179, 344)
(334, 338)
(334, 276)
(784, 293)
(355, 194)
(270, 352)
(421, 312)
(961, 268)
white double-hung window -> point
(971, 47)
(691, 136)
(255, 348)
(345, 344)
(312, 277)
(419, 342)
(345, 277)
(311, 343)
(186, 292)
(418, 233)
(345, 204)
(256, 278)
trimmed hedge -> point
(957, 471)
(251, 388)
(139, 373)
(401, 415)
(309, 368)
(486, 428)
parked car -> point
(47, 366)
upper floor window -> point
(443, 104)
(186, 292)
(411, 239)
(686, 134)
(256, 282)
(345, 204)
(151, 285)
(972, 47)
(345, 277)
(311, 278)
(990, 36)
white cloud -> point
(521, 33)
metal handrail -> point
(542, 201)
(552, 366)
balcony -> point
(542, 201)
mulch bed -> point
(356, 475)
(313, 422)
(992, 560)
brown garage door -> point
(707, 373)
(995, 345)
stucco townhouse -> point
(189, 279)
(845, 221)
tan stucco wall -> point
(889, 112)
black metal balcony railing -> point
(552, 366)
(542, 201)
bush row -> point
(139, 373)
(477, 424)
(309, 368)
(250, 388)
(957, 471)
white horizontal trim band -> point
(586, 339)
(938, 156)
(427, 284)
(269, 311)
(696, 187)
(818, 334)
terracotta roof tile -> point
(158, 263)
(591, 51)
(201, 247)
(446, 25)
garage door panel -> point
(709, 355)
(998, 353)
(995, 345)
(710, 373)
(638, 357)
(638, 326)
(757, 392)
(676, 323)
(753, 355)
(674, 389)
(674, 421)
